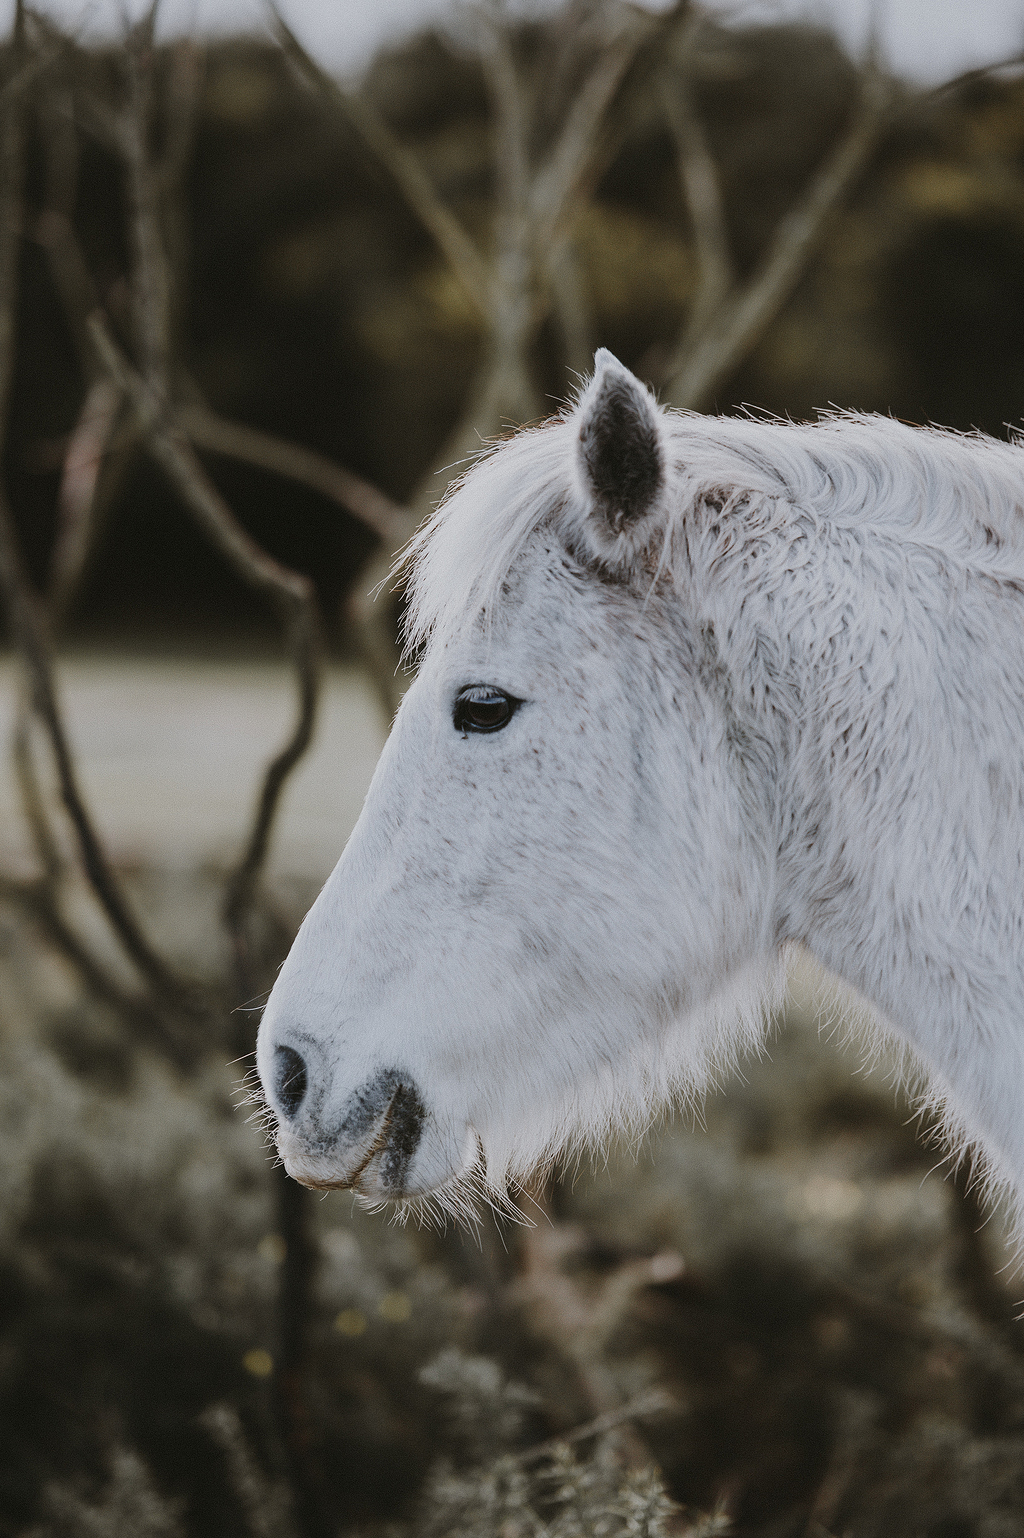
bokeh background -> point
(256, 294)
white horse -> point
(690, 688)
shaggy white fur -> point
(773, 690)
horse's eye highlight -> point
(482, 708)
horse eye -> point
(481, 708)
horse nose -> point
(290, 1080)
(369, 1141)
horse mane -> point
(960, 495)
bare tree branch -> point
(75, 529)
(291, 590)
(28, 632)
(559, 180)
(571, 307)
(187, 66)
(173, 451)
(150, 277)
(506, 389)
(34, 66)
(702, 195)
(25, 619)
(89, 478)
(181, 97)
(744, 313)
(460, 252)
(390, 522)
(151, 395)
(53, 230)
(54, 227)
(166, 429)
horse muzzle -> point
(369, 1143)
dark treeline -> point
(316, 305)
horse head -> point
(557, 875)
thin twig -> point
(507, 390)
(53, 229)
(90, 472)
(32, 801)
(29, 72)
(571, 306)
(509, 129)
(181, 118)
(187, 64)
(654, 1401)
(170, 446)
(75, 531)
(533, 208)
(702, 195)
(76, 495)
(75, 289)
(150, 392)
(558, 182)
(390, 522)
(579, 1322)
(969, 76)
(12, 170)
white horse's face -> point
(551, 873)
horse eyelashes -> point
(483, 708)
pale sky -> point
(926, 40)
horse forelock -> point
(456, 564)
(868, 477)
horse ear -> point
(621, 459)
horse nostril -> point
(289, 1079)
(406, 1116)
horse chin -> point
(373, 1172)
(317, 1170)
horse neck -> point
(882, 691)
